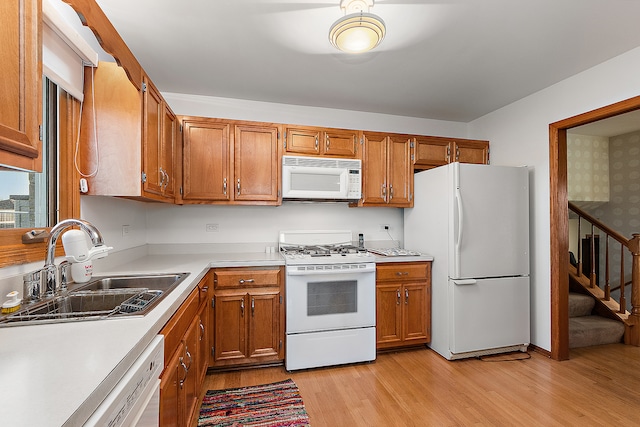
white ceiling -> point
(441, 59)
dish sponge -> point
(12, 304)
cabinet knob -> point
(398, 297)
(406, 296)
(224, 186)
(238, 186)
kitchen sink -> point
(101, 298)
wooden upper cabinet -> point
(226, 161)
(206, 160)
(21, 84)
(256, 163)
(387, 170)
(433, 151)
(472, 151)
(129, 157)
(317, 141)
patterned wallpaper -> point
(622, 211)
(588, 168)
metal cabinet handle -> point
(327, 142)
(201, 331)
(166, 182)
(402, 273)
(397, 296)
(448, 153)
(457, 153)
(253, 307)
(391, 192)
(161, 172)
(383, 190)
(242, 307)
(186, 350)
(243, 281)
(186, 372)
(406, 296)
(224, 186)
(238, 186)
(316, 142)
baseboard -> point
(537, 349)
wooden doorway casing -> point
(560, 218)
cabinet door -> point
(206, 160)
(341, 143)
(169, 131)
(388, 315)
(203, 342)
(374, 169)
(171, 386)
(230, 327)
(400, 173)
(21, 84)
(431, 152)
(256, 165)
(302, 140)
(151, 138)
(472, 152)
(414, 316)
(191, 386)
(264, 325)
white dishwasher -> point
(135, 400)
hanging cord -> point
(95, 132)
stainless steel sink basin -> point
(102, 297)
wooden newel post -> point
(634, 247)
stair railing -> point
(632, 246)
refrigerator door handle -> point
(465, 281)
(458, 199)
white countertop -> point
(58, 374)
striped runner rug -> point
(268, 405)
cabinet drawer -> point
(239, 278)
(415, 271)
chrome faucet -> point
(33, 282)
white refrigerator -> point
(474, 221)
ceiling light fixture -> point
(358, 31)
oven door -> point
(330, 297)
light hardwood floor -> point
(598, 386)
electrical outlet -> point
(385, 227)
(212, 228)
(125, 231)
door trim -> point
(559, 236)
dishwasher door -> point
(135, 400)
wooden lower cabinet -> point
(248, 316)
(186, 359)
(403, 304)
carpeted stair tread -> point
(580, 305)
(586, 331)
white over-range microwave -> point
(323, 178)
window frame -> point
(12, 250)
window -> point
(30, 200)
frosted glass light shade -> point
(357, 32)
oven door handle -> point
(368, 268)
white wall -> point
(519, 134)
(252, 224)
(207, 106)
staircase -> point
(587, 329)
